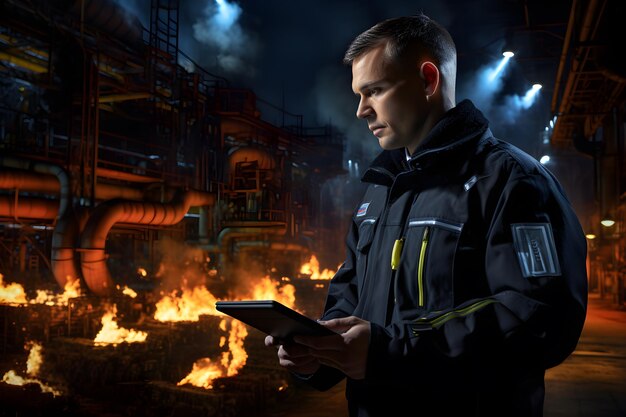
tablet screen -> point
(273, 318)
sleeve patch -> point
(536, 252)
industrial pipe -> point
(28, 208)
(93, 238)
(66, 229)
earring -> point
(427, 98)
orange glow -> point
(142, 272)
(71, 290)
(188, 306)
(127, 291)
(312, 268)
(33, 364)
(111, 333)
(12, 293)
(268, 289)
(205, 371)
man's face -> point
(392, 99)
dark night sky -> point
(289, 52)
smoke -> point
(181, 265)
(485, 87)
(219, 28)
(135, 9)
(336, 104)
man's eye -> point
(374, 91)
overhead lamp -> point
(607, 221)
(590, 236)
(544, 159)
(508, 54)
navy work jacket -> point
(470, 264)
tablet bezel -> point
(272, 318)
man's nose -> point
(364, 109)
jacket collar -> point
(459, 129)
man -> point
(465, 271)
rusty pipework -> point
(93, 239)
(66, 229)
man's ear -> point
(430, 74)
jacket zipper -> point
(420, 267)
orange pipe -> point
(93, 239)
(28, 208)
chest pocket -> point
(425, 275)
(366, 235)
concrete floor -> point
(590, 383)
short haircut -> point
(400, 33)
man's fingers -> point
(333, 342)
(342, 324)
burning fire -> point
(268, 289)
(12, 293)
(312, 268)
(205, 371)
(111, 333)
(33, 364)
(190, 304)
(71, 290)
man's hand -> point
(294, 357)
(346, 351)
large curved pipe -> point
(93, 238)
(229, 234)
(65, 232)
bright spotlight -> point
(607, 222)
(496, 72)
(531, 94)
(508, 54)
(544, 159)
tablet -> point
(273, 318)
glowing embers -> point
(33, 365)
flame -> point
(188, 306)
(33, 364)
(205, 371)
(12, 293)
(142, 272)
(71, 290)
(268, 289)
(312, 268)
(111, 333)
(128, 291)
